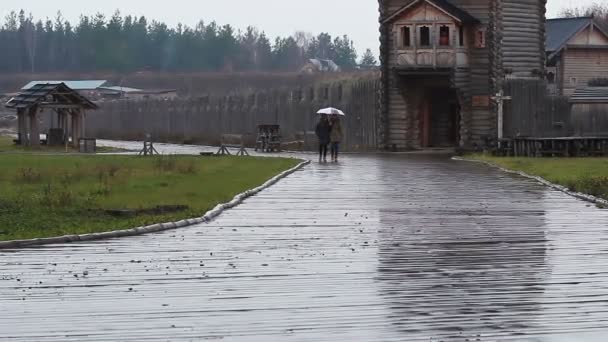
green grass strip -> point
(584, 175)
(46, 196)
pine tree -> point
(129, 43)
(368, 59)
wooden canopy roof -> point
(445, 6)
(55, 96)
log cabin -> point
(577, 51)
(444, 60)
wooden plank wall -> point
(205, 119)
(533, 113)
(590, 119)
(582, 65)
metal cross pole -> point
(500, 99)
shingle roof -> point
(590, 95)
(445, 5)
(74, 85)
(56, 94)
(560, 31)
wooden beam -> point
(59, 106)
(34, 138)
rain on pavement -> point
(376, 248)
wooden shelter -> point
(577, 52)
(444, 65)
(68, 104)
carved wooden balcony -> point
(432, 57)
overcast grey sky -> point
(275, 17)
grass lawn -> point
(585, 175)
(7, 146)
(46, 196)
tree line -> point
(597, 10)
(129, 43)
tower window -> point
(480, 39)
(425, 36)
(406, 36)
(444, 36)
(461, 36)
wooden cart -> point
(269, 138)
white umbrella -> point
(331, 111)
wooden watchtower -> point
(68, 105)
(444, 61)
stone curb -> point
(579, 195)
(155, 228)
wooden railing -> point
(441, 58)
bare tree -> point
(303, 40)
(31, 41)
(598, 10)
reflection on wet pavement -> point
(377, 248)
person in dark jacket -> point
(323, 132)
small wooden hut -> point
(69, 106)
(577, 52)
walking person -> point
(336, 136)
(323, 132)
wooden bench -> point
(234, 141)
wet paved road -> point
(382, 248)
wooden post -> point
(34, 139)
(22, 129)
(83, 118)
(60, 123)
(500, 100)
(66, 127)
(76, 127)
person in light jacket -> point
(336, 136)
(323, 132)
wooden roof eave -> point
(586, 46)
(85, 103)
(583, 28)
(64, 97)
(413, 4)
